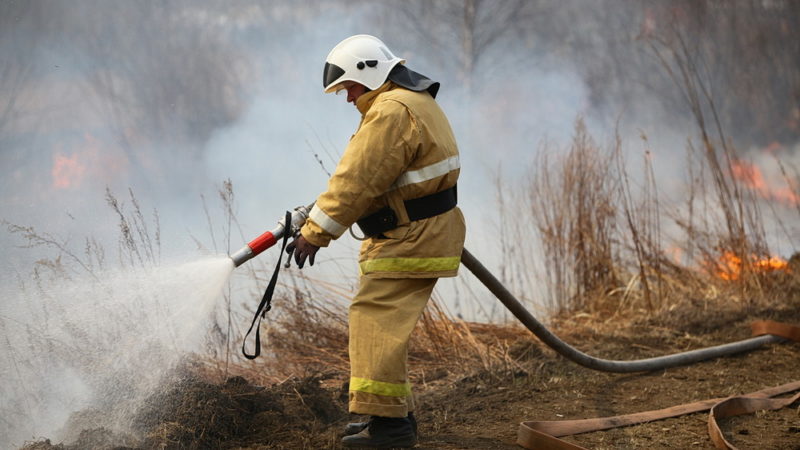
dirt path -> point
(485, 411)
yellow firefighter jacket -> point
(403, 149)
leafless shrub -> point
(574, 204)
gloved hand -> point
(302, 249)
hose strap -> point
(266, 300)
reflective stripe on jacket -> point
(403, 149)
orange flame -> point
(674, 253)
(751, 177)
(67, 171)
(90, 159)
(729, 266)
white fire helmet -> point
(361, 58)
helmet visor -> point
(331, 73)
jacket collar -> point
(365, 101)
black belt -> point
(417, 208)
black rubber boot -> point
(356, 427)
(383, 432)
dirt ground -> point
(482, 410)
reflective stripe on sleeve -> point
(428, 172)
(380, 387)
(410, 264)
(323, 220)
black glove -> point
(302, 249)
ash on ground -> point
(193, 413)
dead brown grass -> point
(308, 338)
(573, 204)
(601, 245)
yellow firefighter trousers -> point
(382, 316)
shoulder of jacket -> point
(391, 103)
(401, 95)
(411, 101)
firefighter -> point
(397, 181)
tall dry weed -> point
(600, 230)
(573, 203)
(725, 219)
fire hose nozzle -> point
(242, 256)
(270, 238)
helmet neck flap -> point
(414, 81)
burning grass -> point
(730, 267)
(602, 241)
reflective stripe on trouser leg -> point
(382, 316)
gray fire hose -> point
(296, 218)
(604, 365)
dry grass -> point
(307, 337)
(600, 249)
(601, 240)
(601, 245)
(724, 216)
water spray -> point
(271, 237)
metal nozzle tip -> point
(241, 256)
